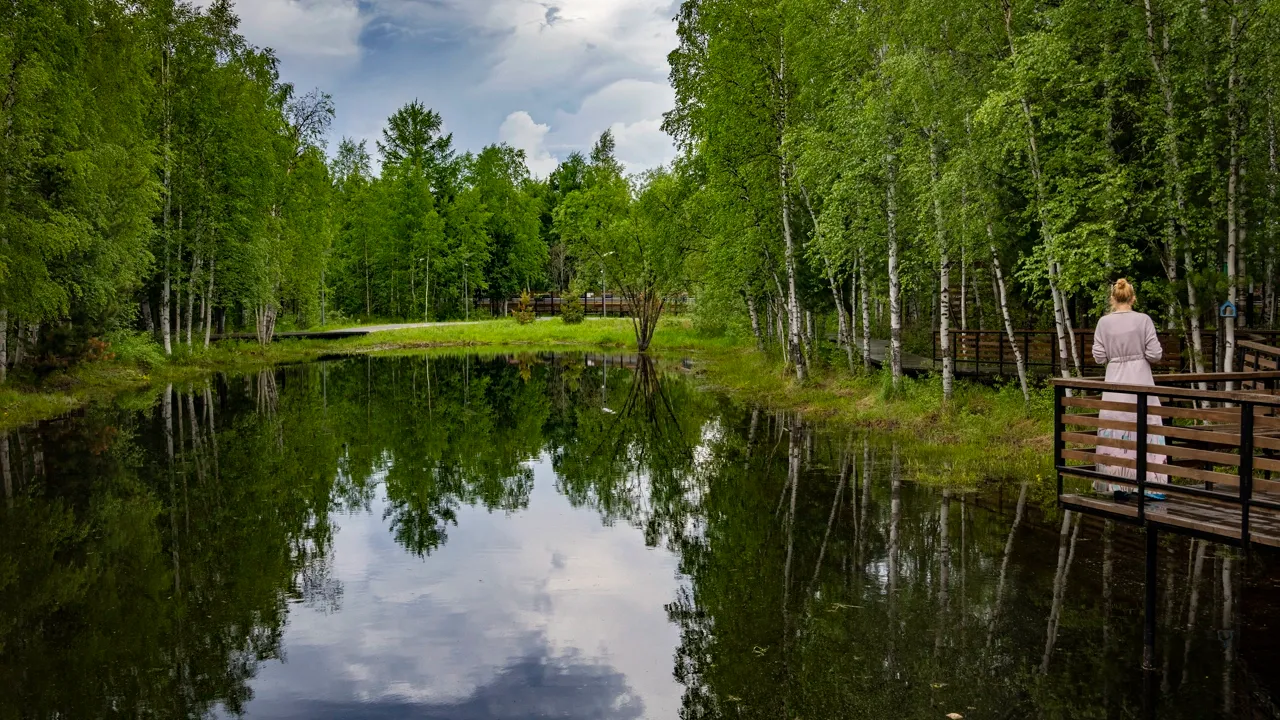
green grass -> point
(672, 334)
(982, 433)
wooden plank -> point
(1184, 514)
(1179, 451)
(1175, 378)
(1259, 347)
(1216, 478)
(1180, 393)
(1095, 421)
(1097, 404)
(1102, 505)
(1203, 433)
(1169, 411)
(1173, 411)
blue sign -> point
(1228, 310)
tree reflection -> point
(147, 566)
(633, 453)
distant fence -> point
(990, 351)
(552, 304)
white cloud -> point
(643, 145)
(520, 131)
(316, 29)
(633, 110)
(581, 41)
(547, 76)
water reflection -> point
(569, 536)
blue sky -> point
(547, 77)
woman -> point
(1126, 343)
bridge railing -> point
(552, 304)
(1257, 357)
(990, 351)
(1218, 446)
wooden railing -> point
(990, 351)
(550, 304)
(1218, 449)
(1256, 357)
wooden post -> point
(1246, 470)
(1058, 445)
(1000, 339)
(977, 357)
(1142, 457)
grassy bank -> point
(982, 432)
(672, 334)
(134, 364)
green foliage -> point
(135, 348)
(572, 311)
(524, 312)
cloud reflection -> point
(536, 686)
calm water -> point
(539, 537)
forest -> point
(893, 169)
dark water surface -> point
(535, 537)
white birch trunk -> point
(4, 345)
(208, 305)
(165, 329)
(1177, 197)
(1002, 298)
(165, 326)
(1061, 320)
(1269, 284)
(191, 295)
(795, 348)
(895, 285)
(754, 312)
(853, 318)
(944, 279)
(866, 310)
(1233, 179)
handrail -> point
(1180, 393)
(1243, 496)
(1260, 347)
(1166, 378)
(978, 349)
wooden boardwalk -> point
(340, 333)
(1212, 455)
(911, 363)
(990, 352)
(1188, 515)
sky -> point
(546, 77)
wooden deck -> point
(1188, 515)
(1213, 453)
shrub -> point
(135, 348)
(571, 310)
(524, 309)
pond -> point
(573, 536)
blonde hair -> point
(1122, 293)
